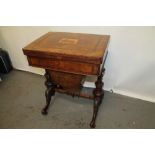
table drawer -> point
(64, 65)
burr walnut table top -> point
(83, 47)
(67, 59)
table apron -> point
(65, 66)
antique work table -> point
(67, 59)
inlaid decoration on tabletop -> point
(67, 59)
(68, 41)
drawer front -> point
(64, 66)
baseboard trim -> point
(133, 95)
(116, 91)
(125, 93)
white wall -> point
(130, 64)
(13, 39)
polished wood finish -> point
(68, 58)
(98, 96)
(65, 65)
(67, 81)
(85, 47)
(50, 91)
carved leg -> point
(50, 91)
(98, 96)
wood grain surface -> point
(86, 47)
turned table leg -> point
(50, 91)
(98, 96)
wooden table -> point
(67, 59)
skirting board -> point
(133, 95)
(116, 91)
(125, 93)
